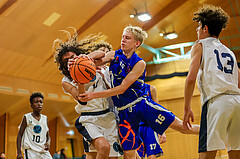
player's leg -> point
(177, 125)
(215, 120)
(93, 133)
(151, 143)
(128, 131)
(130, 154)
(141, 148)
(155, 116)
(91, 155)
(110, 129)
(102, 146)
(161, 119)
(233, 130)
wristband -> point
(82, 103)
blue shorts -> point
(147, 111)
(150, 143)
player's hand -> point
(188, 114)
(87, 96)
(162, 138)
(85, 56)
(19, 156)
(47, 146)
(70, 63)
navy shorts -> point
(147, 111)
(150, 143)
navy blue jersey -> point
(148, 90)
(149, 95)
(119, 69)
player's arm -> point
(154, 93)
(70, 89)
(196, 55)
(133, 75)
(19, 137)
(74, 91)
(95, 55)
(47, 144)
(106, 59)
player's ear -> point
(205, 29)
(138, 43)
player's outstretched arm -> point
(133, 75)
(108, 57)
(19, 137)
(196, 54)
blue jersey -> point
(134, 105)
(119, 69)
(149, 96)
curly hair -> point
(34, 95)
(138, 33)
(83, 46)
(100, 44)
(214, 17)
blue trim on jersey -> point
(119, 69)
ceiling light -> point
(52, 19)
(161, 34)
(144, 16)
(70, 132)
(132, 15)
(170, 36)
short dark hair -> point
(214, 17)
(34, 95)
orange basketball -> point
(83, 70)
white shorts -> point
(30, 154)
(220, 124)
(104, 125)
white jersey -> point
(218, 73)
(35, 134)
(97, 85)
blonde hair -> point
(138, 33)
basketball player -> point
(150, 140)
(97, 124)
(129, 95)
(33, 135)
(218, 81)
(104, 72)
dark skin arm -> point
(19, 137)
(47, 146)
